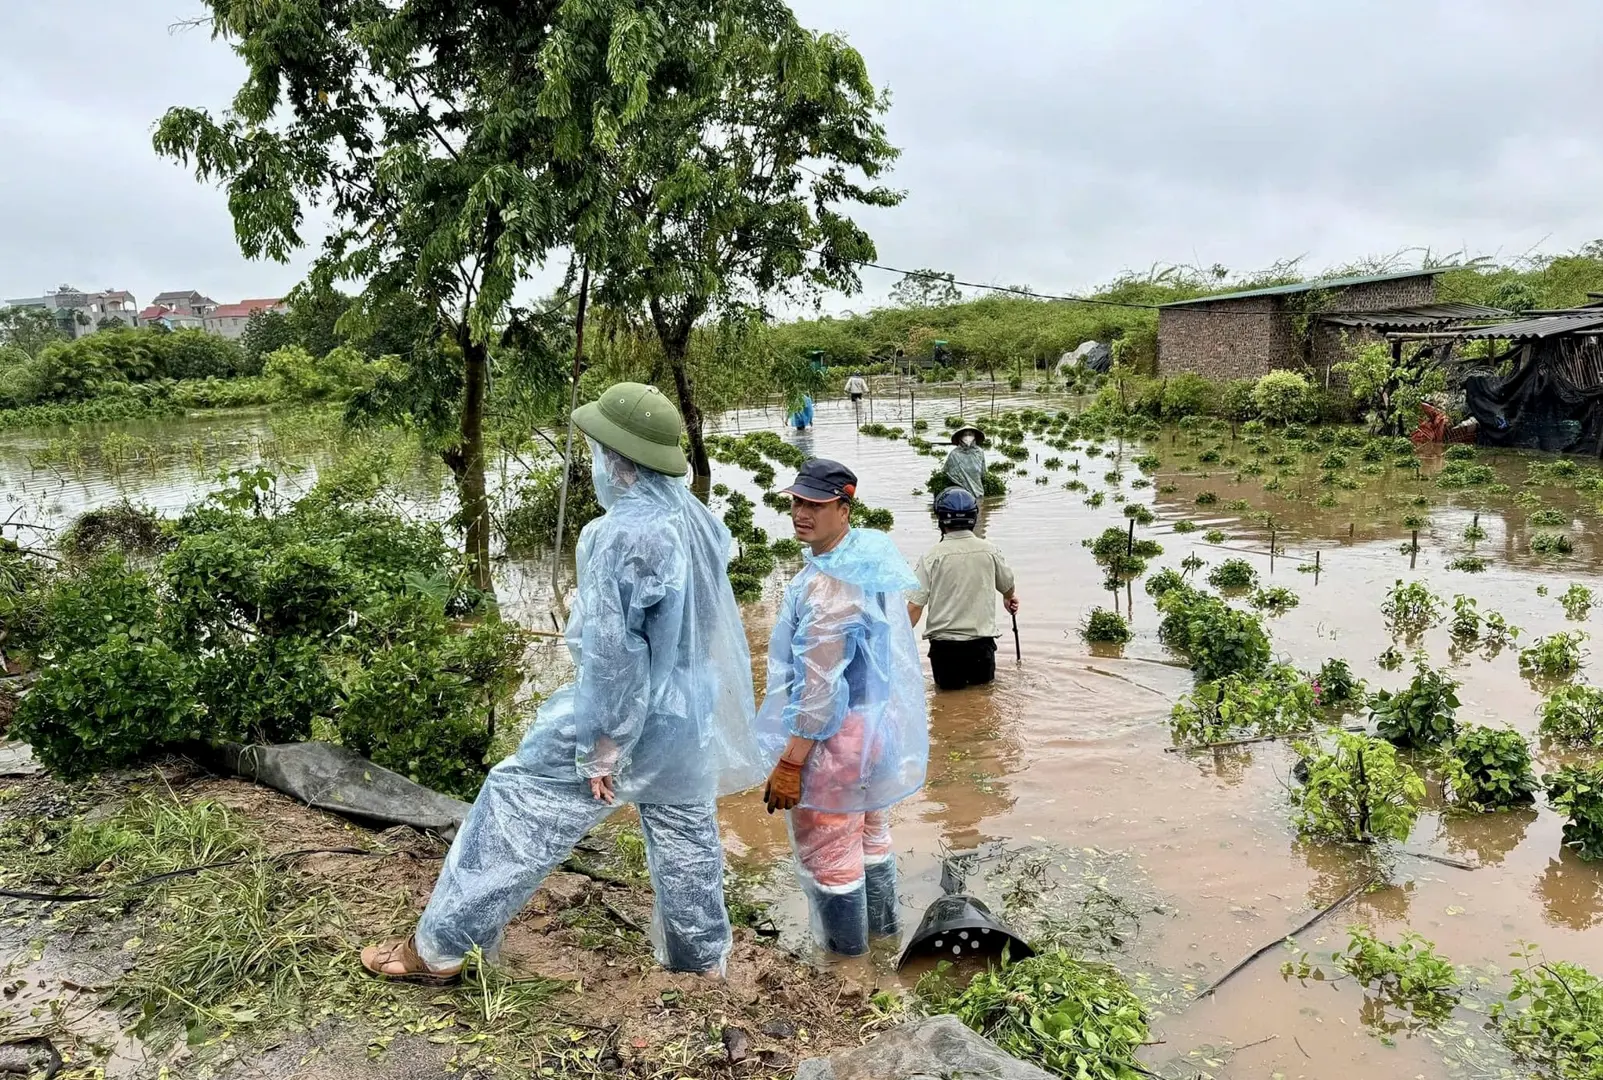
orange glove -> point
(783, 790)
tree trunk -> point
(699, 464)
(470, 482)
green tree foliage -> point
(1421, 714)
(28, 330)
(1490, 768)
(1553, 1017)
(265, 333)
(736, 189)
(1389, 389)
(926, 288)
(1282, 397)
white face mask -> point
(968, 440)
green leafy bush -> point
(1469, 564)
(1550, 518)
(1421, 714)
(1547, 543)
(1218, 639)
(1409, 975)
(1576, 601)
(1490, 768)
(1411, 609)
(1576, 791)
(1105, 626)
(1573, 714)
(1233, 574)
(1559, 1028)
(1206, 498)
(1335, 684)
(1071, 1017)
(1276, 601)
(1279, 701)
(1556, 656)
(1358, 790)
(1282, 397)
(1215, 536)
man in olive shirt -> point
(958, 580)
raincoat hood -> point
(866, 558)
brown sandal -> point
(402, 951)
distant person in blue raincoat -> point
(803, 417)
(659, 714)
(844, 718)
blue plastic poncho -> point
(843, 669)
(803, 417)
(661, 698)
(965, 467)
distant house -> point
(77, 313)
(186, 303)
(229, 320)
(1302, 327)
(171, 318)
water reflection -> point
(971, 756)
(1487, 837)
(1571, 892)
(1227, 764)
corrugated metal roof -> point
(1309, 286)
(1545, 326)
(1423, 315)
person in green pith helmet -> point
(659, 714)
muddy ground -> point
(594, 1001)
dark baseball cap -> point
(823, 480)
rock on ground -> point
(930, 1049)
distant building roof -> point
(118, 294)
(154, 311)
(244, 308)
(1310, 286)
(1550, 324)
(1413, 318)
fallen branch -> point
(156, 879)
(622, 916)
(573, 866)
(1320, 914)
(1444, 860)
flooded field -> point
(1064, 771)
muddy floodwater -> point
(1067, 757)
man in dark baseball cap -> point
(844, 719)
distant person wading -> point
(958, 581)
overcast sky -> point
(1048, 142)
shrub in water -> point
(1550, 518)
(1469, 564)
(1164, 580)
(1233, 574)
(1215, 536)
(1573, 714)
(1546, 543)
(1279, 701)
(1105, 626)
(1206, 498)
(1466, 625)
(1409, 975)
(1576, 601)
(1576, 791)
(1336, 685)
(1183, 526)
(1557, 1029)
(1421, 714)
(1358, 790)
(1411, 609)
(1276, 601)
(1557, 656)
(1218, 639)
(1490, 768)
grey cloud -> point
(1053, 142)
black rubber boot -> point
(843, 921)
(880, 885)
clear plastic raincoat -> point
(965, 467)
(661, 701)
(843, 670)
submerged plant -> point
(1104, 626)
(1233, 574)
(1557, 1028)
(1573, 714)
(1421, 714)
(1276, 601)
(1576, 601)
(1490, 768)
(1469, 564)
(1279, 701)
(1466, 624)
(1336, 684)
(1358, 790)
(1576, 791)
(1556, 656)
(1474, 532)
(1409, 975)
(1391, 659)
(1411, 609)
(1547, 543)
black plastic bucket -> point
(962, 927)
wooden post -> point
(1413, 549)
(1129, 547)
(912, 408)
(1316, 566)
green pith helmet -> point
(638, 422)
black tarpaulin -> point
(1535, 408)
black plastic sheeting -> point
(1532, 408)
(327, 777)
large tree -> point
(763, 132)
(453, 144)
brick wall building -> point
(1243, 335)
